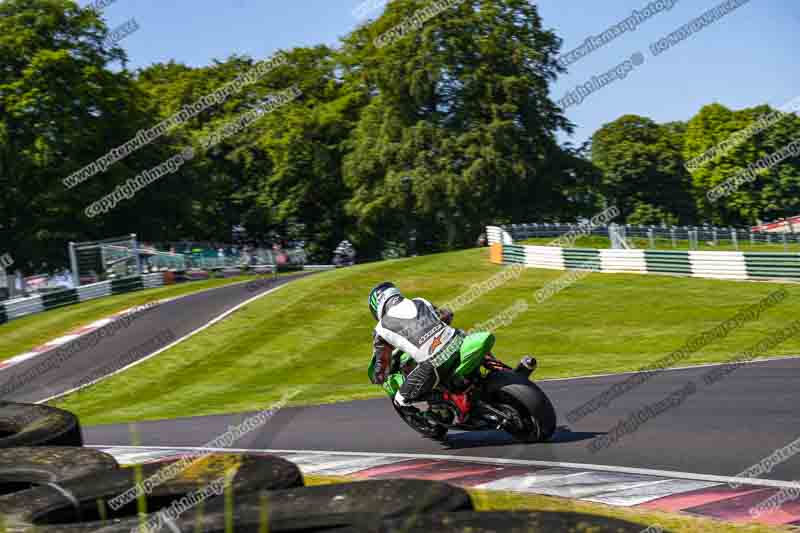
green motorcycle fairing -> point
(474, 348)
(472, 352)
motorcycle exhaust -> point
(526, 366)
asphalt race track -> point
(721, 429)
(180, 316)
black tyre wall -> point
(24, 468)
(335, 507)
(23, 424)
(54, 510)
(354, 504)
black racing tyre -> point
(507, 522)
(87, 503)
(537, 414)
(25, 468)
(25, 424)
(350, 504)
(422, 426)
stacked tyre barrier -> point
(698, 264)
(49, 483)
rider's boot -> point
(406, 407)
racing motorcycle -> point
(483, 393)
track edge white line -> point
(490, 460)
(192, 333)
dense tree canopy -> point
(774, 194)
(461, 128)
(60, 107)
(642, 170)
(436, 132)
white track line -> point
(97, 324)
(490, 460)
(573, 378)
(675, 368)
(165, 348)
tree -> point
(461, 107)
(205, 198)
(774, 194)
(643, 170)
(61, 107)
(305, 141)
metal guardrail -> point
(13, 309)
(703, 264)
(319, 267)
(95, 290)
(43, 302)
(662, 237)
(22, 307)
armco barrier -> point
(52, 300)
(159, 279)
(123, 285)
(22, 307)
(12, 309)
(700, 264)
(95, 290)
(623, 261)
(319, 267)
(776, 265)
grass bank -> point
(22, 334)
(315, 334)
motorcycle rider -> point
(419, 329)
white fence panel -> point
(721, 265)
(544, 257)
(623, 261)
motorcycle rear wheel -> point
(536, 412)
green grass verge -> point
(485, 500)
(315, 334)
(672, 522)
(597, 241)
(20, 335)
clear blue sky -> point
(743, 59)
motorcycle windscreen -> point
(473, 350)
